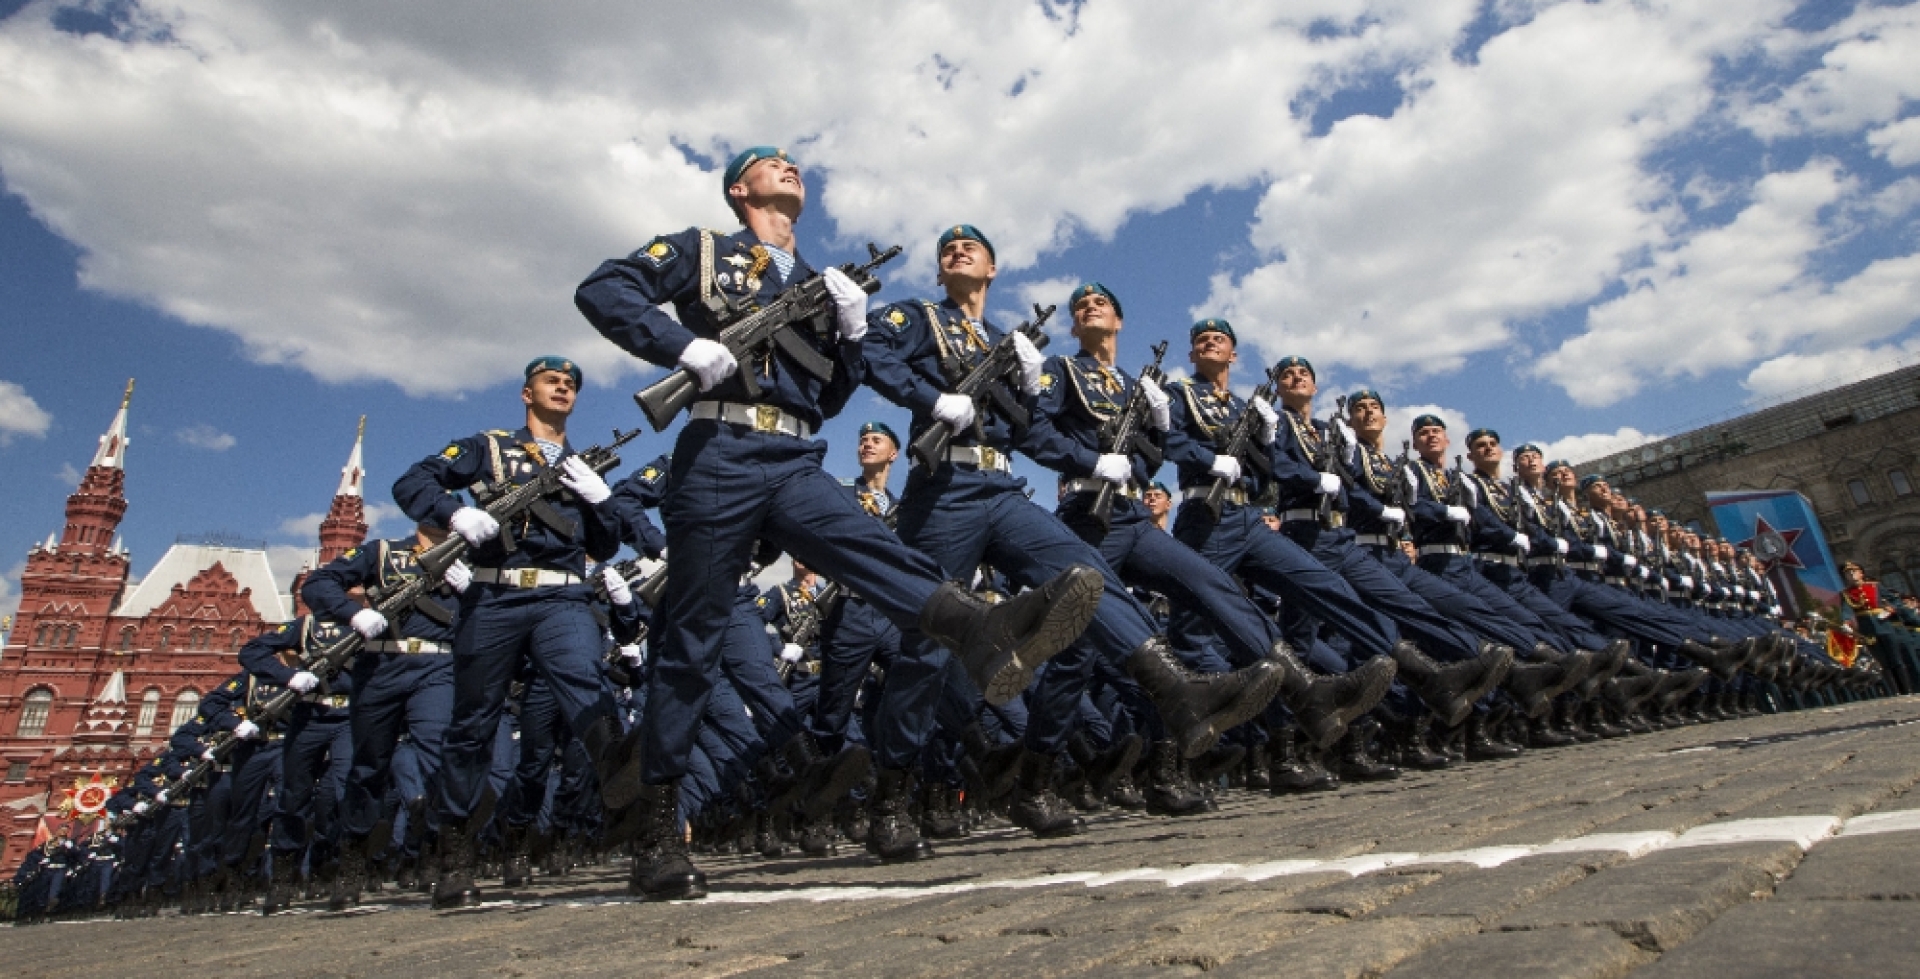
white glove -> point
(1157, 403)
(368, 622)
(1226, 466)
(709, 360)
(1114, 469)
(618, 591)
(207, 755)
(1629, 560)
(1031, 360)
(1269, 420)
(954, 409)
(790, 653)
(1522, 543)
(475, 524)
(1740, 591)
(160, 797)
(579, 477)
(849, 302)
(1459, 514)
(303, 682)
(1329, 484)
(1599, 552)
(1686, 581)
(458, 577)
(1559, 546)
(245, 729)
(633, 654)
(141, 806)
(1393, 515)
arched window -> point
(166, 639)
(73, 636)
(149, 711)
(126, 638)
(183, 708)
(40, 636)
(233, 640)
(1861, 495)
(33, 714)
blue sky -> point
(1579, 223)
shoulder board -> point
(849, 482)
(499, 433)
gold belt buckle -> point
(413, 645)
(766, 418)
(989, 457)
(529, 577)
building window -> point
(233, 640)
(126, 638)
(183, 708)
(1898, 477)
(16, 771)
(40, 636)
(166, 639)
(33, 716)
(73, 636)
(149, 710)
(1861, 495)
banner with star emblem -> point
(1780, 528)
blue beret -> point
(747, 158)
(1092, 288)
(1656, 513)
(1586, 481)
(1367, 394)
(1559, 464)
(1212, 326)
(967, 232)
(880, 427)
(1478, 432)
(552, 363)
(1424, 420)
(1286, 362)
(1528, 447)
(1162, 487)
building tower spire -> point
(95, 508)
(346, 523)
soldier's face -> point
(1431, 442)
(1599, 496)
(877, 450)
(1158, 503)
(1529, 465)
(770, 180)
(1095, 314)
(1212, 350)
(1485, 453)
(1366, 416)
(549, 391)
(1272, 522)
(964, 260)
(1562, 478)
(1297, 383)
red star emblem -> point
(1773, 547)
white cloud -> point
(1400, 424)
(288, 560)
(1580, 448)
(10, 589)
(1500, 191)
(1793, 375)
(1731, 295)
(381, 518)
(304, 527)
(1866, 77)
(204, 436)
(68, 475)
(20, 415)
(1045, 292)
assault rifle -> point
(751, 333)
(1122, 435)
(1333, 458)
(986, 384)
(804, 626)
(1399, 493)
(506, 499)
(1460, 494)
(1235, 442)
(654, 590)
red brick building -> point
(99, 667)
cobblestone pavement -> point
(1786, 845)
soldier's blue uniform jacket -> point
(1373, 475)
(388, 565)
(1078, 395)
(906, 344)
(1427, 520)
(426, 492)
(1200, 416)
(1298, 453)
(622, 299)
(642, 490)
(262, 657)
(1495, 514)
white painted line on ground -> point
(1803, 831)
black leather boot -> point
(616, 757)
(1480, 747)
(1168, 791)
(1207, 769)
(281, 883)
(1357, 763)
(455, 888)
(515, 869)
(990, 769)
(1036, 808)
(1323, 706)
(1540, 734)
(1416, 745)
(1450, 690)
(1199, 707)
(1294, 770)
(824, 779)
(892, 833)
(1103, 768)
(662, 868)
(1259, 760)
(940, 813)
(766, 837)
(1001, 644)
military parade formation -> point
(500, 696)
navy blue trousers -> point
(394, 694)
